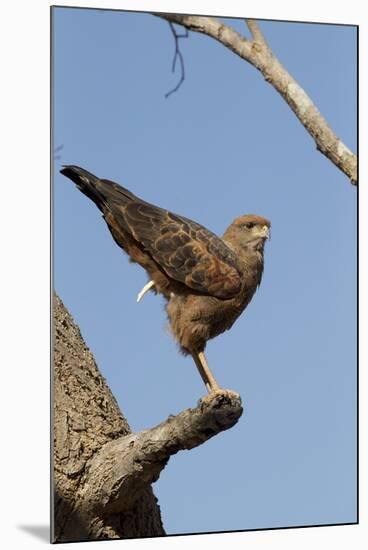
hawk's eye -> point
(249, 225)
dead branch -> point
(177, 55)
(258, 53)
(102, 472)
(124, 467)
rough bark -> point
(258, 53)
(102, 472)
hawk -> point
(206, 280)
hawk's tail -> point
(102, 192)
(86, 182)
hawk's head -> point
(248, 231)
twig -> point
(177, 55)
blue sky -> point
(226, 144)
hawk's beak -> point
(265, 232)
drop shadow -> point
(41, 532)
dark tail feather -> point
(101, 191)
(86, 182)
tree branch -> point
(123, 468)
(259, 54)
(255, 31)
(102, 472)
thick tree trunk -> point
(102, 472)
(86, 419)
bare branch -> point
(258, 54)
(102, 472)
(255, 31)
(177, 55)
(124, 467)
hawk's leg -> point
(204, 370)
(145, 289)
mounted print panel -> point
(205, 274)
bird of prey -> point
(206, 280)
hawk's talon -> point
(145, 289)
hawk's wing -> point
(184, 249)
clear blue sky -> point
(226, 144)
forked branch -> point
(259, 54)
